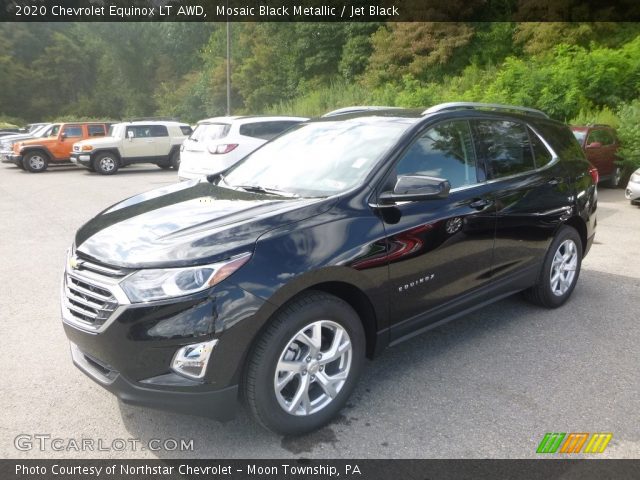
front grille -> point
(91, 292)
(88, 303)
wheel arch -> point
(580, 226)
(113, 151)
(37, 148)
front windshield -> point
(115, 129)
(319, 158)
(38, 131)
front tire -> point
(305, 365)
(106, 163)
(35, 162)
(560, 270)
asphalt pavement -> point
(489, 385)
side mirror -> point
(130, 134)
(594, 145)
(63, 136)
(415, 188)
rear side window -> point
(159, 131)
(561, 139)
(96, 130)
(541, 153)
(186, 130)
(266, 130)
(73, 131)
(444, 151)
(206, 132)
(503, 146)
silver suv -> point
(132, 142)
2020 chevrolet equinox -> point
(271, 283)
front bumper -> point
(180, 398)
(632, 192)
(131, 353)
(15, 159)
(81, 159)
(4, 156)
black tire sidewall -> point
(268, 410)
(565, 233)
(174, 160)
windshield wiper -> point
(265, 190)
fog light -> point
(191, 360)
(86, 158)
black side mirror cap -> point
(416, 188)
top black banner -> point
(319, 10)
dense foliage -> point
(574, 71)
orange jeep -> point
(36, 154)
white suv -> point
(218, 143)
(132, 142)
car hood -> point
(97, 141)
(15, 138)
(188, 223)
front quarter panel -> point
(344, 245)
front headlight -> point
(158, 284)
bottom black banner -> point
(302, 468)
(582, 469)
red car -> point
(600, 145)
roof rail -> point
(152, 119)
(357, 109)
(480, 106)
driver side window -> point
(443, 151)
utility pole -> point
(228, 67)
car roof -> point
(154, 122)
(250, 119)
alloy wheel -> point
(563, 267)
(313, 368)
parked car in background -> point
(632, 192)
(36, 154)
(271, 283)
(4, 133)
(600, 144)
(6, 143)
(218, 143)
(32, 127)
(133, 142)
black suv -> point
(273, 282)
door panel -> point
(441, 248)
(73, 133)
(531, 193)
(142, 143)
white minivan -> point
(218, 143)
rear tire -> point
(35, 162)
(560, 270)
(174, 160)
(106, 163)
(304, 367)
(616, 176)
(164, 166)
